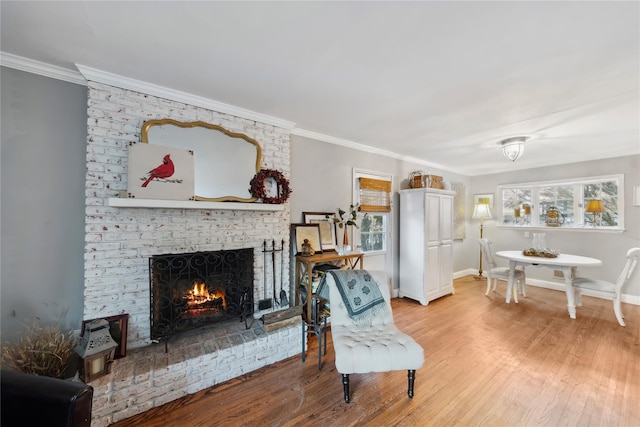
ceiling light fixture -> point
(512, 148)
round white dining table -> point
(564, 262)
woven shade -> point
(375, 195)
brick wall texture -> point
(119, 242)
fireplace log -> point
(280, 315)
(281, 324)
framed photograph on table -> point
(327, 228)
(311, 232)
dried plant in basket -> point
(42, 351)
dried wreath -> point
(257, 189)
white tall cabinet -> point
(426, 244)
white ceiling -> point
(437, 82)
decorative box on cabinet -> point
(426, 244)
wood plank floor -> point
(486, 364)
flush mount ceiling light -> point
(512, 148)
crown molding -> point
(85, 74)
(357, 146)
(92, 74)
(41, 68)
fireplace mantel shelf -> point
(189, 204)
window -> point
(373, 194)
(373, 232)
(560, 196)
(527, 204)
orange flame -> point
(200, 295)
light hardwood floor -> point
(487, 363)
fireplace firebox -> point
(197, 289)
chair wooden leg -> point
(324, 330)
(488, 284)
(320, 351)
(412, 378)
(618, 310)
(345, 386)
(304, 330)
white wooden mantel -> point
(121, 202)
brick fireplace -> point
(120, 241)
(199, 289)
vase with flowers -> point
(341, 221)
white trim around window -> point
(386, 216)
(570, 196)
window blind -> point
(375, 195)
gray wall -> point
(43, 141)
(43, 161)
(610, 247)
(321, 177)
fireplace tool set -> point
(267, 303)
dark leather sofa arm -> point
(31, 400)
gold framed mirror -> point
(225, 161)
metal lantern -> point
(97, 350)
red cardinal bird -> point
(165, 170)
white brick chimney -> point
(119, 242)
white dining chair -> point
(609, 289)
(495, 273)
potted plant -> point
(342, 222)
(42, 351)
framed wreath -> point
(257, 189)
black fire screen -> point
(196, 289)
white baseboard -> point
(556, 286)
(463, 273)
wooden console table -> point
(304, 267)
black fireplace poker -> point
(268, 302)
(265, 303)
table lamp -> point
(595, 207)
(481, 211)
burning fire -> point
(200, 298)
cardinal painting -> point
(165, 170)
(160, 172)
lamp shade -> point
(595, 205)
(481, 211)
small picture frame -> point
(306, 231)
(483, 199)
(327, 228)
(118, 328)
